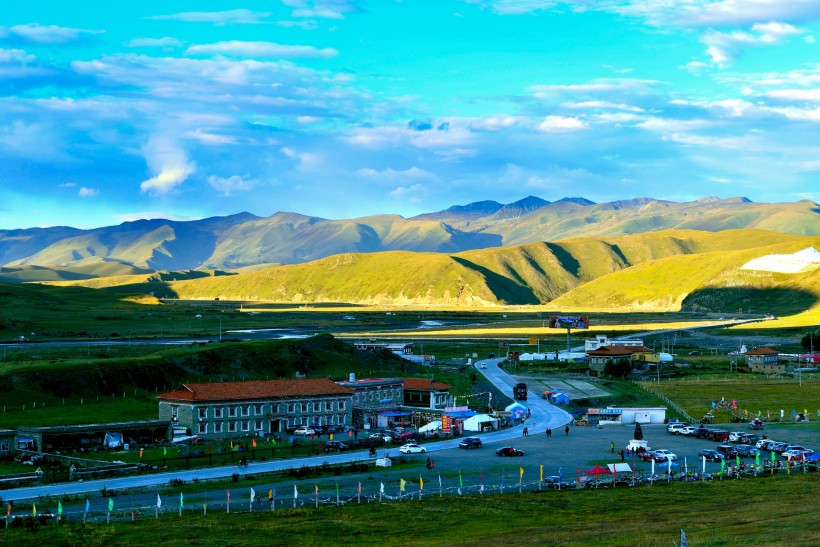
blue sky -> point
(347, 108)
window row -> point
(259, 409)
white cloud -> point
(150, 215)
(50, 34)
(796, 95)
(561, 124)
(235, 17)
(206, 137)
(227, 186)
(494, 123)
(88, 192)
(166, 41)
(726, 47)
(694, 67)
(320, 9)
(169, 163)
(412, 173)
(414, 193)
(602, 105)
(267, 50)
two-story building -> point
(764, 360)
(424, 393)
(258, 407)
(598, 358)
(373, 397)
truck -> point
(520, 391)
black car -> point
(727, 450)
(335, 446)
(470, 442)
(710, 455)
(509, 451)
(700, 433)
(749, 438)
(746, 450)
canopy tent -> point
(619, 468)
(598, 470)
(480, 422)
(516, 410)
(560, 398)
(525, 357)
(667, 465)
(461, 414)
(431, 427)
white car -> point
(688, 430)
(667, 455)
(675, 427)
(761, 444)
(305, 431)
(383, 436)
(412, 448)
(734, 436)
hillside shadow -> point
(503, 288)
(776, 301)
(569, 262)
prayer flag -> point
(159, 501)
(8, 510)
(254, 443)
(460, 484)
(253, 495)
(541, 476)
(520, 474)
(33, 510)
(295, 492)
(421, 483)
(331, 436)
(181, 502)
(722, 466)
(381, 488)
(316, 489)
(683, 541)
(270, 495)
(59, 508)
(110, 504)
(360, 487)
(141, 453)
(164, 451)
(87, 506)
(401, 485)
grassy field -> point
(780, 510)
(752, 393)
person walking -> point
(612, 447)
(549, 433)
(566, 430)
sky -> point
(117, 111)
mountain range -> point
(245, 242)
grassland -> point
(752, 393)
(775, 511)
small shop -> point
(602, 416)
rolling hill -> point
(245, 242)
(659, 271)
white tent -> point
(525, 357)
(431, 427)
(480, 422)
(619, 467)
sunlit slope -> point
(566, 220)
(527, 274)
(710, 281)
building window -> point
(5, 447)
(258, 425)
(341, 405)
(218, 427)
(203, 427)
(328, 405)
(303, 407)
(246, 425)
(218, 412)
(246, 410)
(231, 427)
(291, 422)
(258, 409)
(317, 407)
(291, 407)
(174, 412)
(203, 412)
(232, 411)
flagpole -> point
(228, 511)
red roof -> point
(616, 351)
(255, 389)
(762, 351)
(423, 384)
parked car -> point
(408, 436)
(778, 447)
(747, 450)
(675, 427)
(701, 433)
(796, 455)
(554, 481)
(689, 430)
(797, 447)
(727, 450)
(647, 456)
(770, 443)
(749, 438)
(305, 431)
(761, 444)
(335, 446)
(380, 435)
(734, 436)
(710, 455)
(756, 424)
(470, 442)
(412, 448)
(719, 435)
(509, 451)
(665, 455)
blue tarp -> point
(393, 413)
(460, 414)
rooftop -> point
(255, 389)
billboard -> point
(569, 322)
